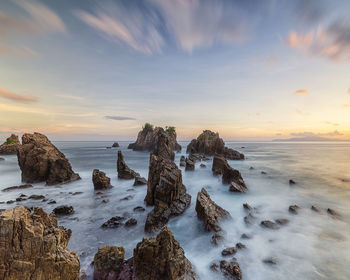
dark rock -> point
(36, 196)
(182, 161)
(234, 187)
(293, 209)
(40, 161)
(251, 168)
(291, 182)
(139, 209)
(263, 172)
(209, 212)
(128, 197)
(76, 193)
(217, 238)
(115, 145)
(247, 207)
(214, 267)
(10, 146)
(20, 199)
(165, 191)
(10, 201)
(202, 165)
(99, 193)
(131, 222)
(249, 219)
(113, 222)
(124, 172)
(333, 212)
(108, 262)
(140, 181)
(189, 165)
(268, 224)
(100, 180)
(1, 159)
(282, 221)
(229, 251)
(240, 246)
(26, 186)
(105, 200)
(209, 143)
(52, 202)
(315, 208)
(271, 261)
(63, 210)
(246, 236)
(231, 270)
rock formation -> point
(124, 172)
(208, 211)
(32, 246)
(209, 143)
(41, 161)
(165, 191)
(148, 137)
(10, 146)
(190, 166)
(164, 146)
(100, 180)
(108, 262)
(229, 174)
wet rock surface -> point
(124, 172)
(10, 146)
(293, 209)
(190, 166)
(100, 180)
(63, 210)
(108, 262)
(231, 270)
(114, 222)
(41, 161)
(140, 181)
(269, 224)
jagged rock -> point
(294, 209)
(140, 181)
(208, 211)
(10, 146)
(147, 139)
(268, 224)
(231, 270)
(247, 207)
(229, 251)
(209, 143)
(26, 186)
(108, 262)
(163, 146)
(229, 175)
(124, 172)
(189, 165)
(32, 246)
(139, 209)
(100, 180)
(165, 191)
(41, 161)
(113, 222)
(161, 258)
(115, 145)
(131, 222)
(63, 210)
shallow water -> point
(312, 246)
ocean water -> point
(311, 246)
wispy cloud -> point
(301, 92)
(331, 123)
(300, 112)
(20, 98)
(71, 97)
(13, 51)
(119, 118)
(348, 90)
(312, 134)
(346, 106)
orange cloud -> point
(21, 98)
(296, 40)
(345, 106)
(301, 92)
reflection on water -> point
(311, 246)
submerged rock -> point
(26, 186)
(209, 212)
(165, 191)
(1, 159)
(140, 181)
(41, 161)
(115, 145)
(108, 262)
(315, 208)
(271, 261)
(282, 221)
(209, 143)
(139, 209)
(124, 172)
(113, 222)
(131, 222)
(10, 146)
(229, 251)
(100, 180)
(33, 246)
(63, 210)
(333, 213)
(36, 196)
(247, 207)
(292, 182)
(269, 224)
(231, 270)
(293, 209)
(202, 165)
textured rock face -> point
(229, 174)
(32, 246)
(165, 191)
(190, 166)
(164, 146)
(10, 146)
(208, 211)
(100, 180)
(209, 143)
(147, 140)
(124, 172)
(41, 161)
(108, 262)
(161, 258)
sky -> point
(251, 70)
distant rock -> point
(63, 210)
(292, 182)
(108, 262)
(293, 209)
(209, 212)
(114, 222)
(115, 145)
(190, 166)
(33, 246)
(165, 191)
(140, 181)
(124, 172)
(10, 146)
(26, 186)
(209, 143)
(41, 161)
(100, 180)
(315, 208)
(36, 196)
(333, 213)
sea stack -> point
(10, 146)
(41, 161)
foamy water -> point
(311, 246)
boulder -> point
(115, 145)
(182, 161)
(189, 165)
(139, 209)
(147, 139)
(124, 172)
(269, 224)
(229, 251)
(10, 146)
(293, 209)
(108, 262)
(41, 161)
(33, 246)
(202, 165)
(63, 210)
(208, 211)
(131, 222)
(209, 143)
(165, 191)
(140, 181)
(113, 222)
(100, 180)
(229, 174)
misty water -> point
(311, 246)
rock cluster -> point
(10, 146)
(32, 246)
(165, 191)
(209, 143)
(100, 180)
(41, 161)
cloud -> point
(301, 92)
(119, 118)
(310, 11)
(24, 98)
(345, 106)
(312, 134)
(17, 51)
(331, 123)
(348, 90)
(300, 112)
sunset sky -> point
(251, 70)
